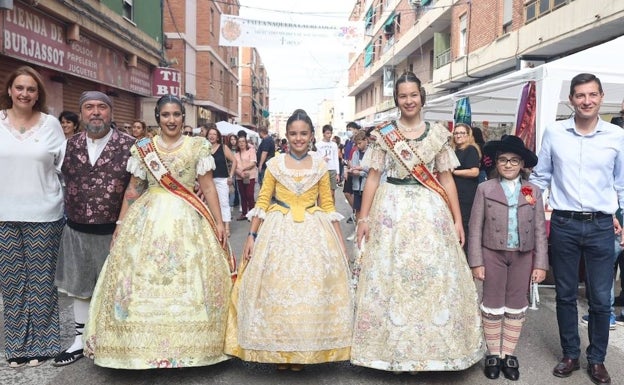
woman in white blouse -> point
(31, 219)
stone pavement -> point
(538, 352)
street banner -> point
(237, 31)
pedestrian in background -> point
(246, 174)
(31, 219)
(507, 250)
(94, 171)
(583, 151)
(477, 134)
(349, 148)
(266, 151)
(69, 123)
(139, 129)
(223, 175)
(619, 119)
(328, 150)
(416, 302)
(466, 175)
(232, 140)
(162, 297)
(293, 305)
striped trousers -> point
(28, 253)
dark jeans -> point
(261, 175)
(569, 240)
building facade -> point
(110, 46)
(209, 72)
(452, 44)
(254, 90)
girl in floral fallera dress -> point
(293, 305)
(416, 302)
(162, 296)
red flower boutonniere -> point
(527, 191)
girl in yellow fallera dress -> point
(293, 305)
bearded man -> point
(94, 170)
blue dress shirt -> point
(583, 172)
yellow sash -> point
(157, 168)
(409, 159)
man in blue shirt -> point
(581, 161)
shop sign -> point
(36, 38)
(166, 81)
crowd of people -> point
(133, 224)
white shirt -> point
(29, 170)
(329, 152)
(96, 146)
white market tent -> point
(497, 100)
(227, 128)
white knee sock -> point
(81, 315)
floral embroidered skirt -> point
(162, 297)
(293, 302)
(416, 302)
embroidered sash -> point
(409, 159)
(157, 168)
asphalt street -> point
(538, 352)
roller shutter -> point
(7, 65)
(72, 91)
(125, 108)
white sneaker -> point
(351, 237)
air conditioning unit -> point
(233, 62)
(416, 3)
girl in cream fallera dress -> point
(162, 297)
(293, 302)
(416, 300)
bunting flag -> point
(463, 114)
(525, 124)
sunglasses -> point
(189, 133)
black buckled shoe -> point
(510, 368)
(492, 367)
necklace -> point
(171, 146)
(22, 129)
(410, 129)
(297, 158)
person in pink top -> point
(246, 175)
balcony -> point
(557, 28)
(442, 59)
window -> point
(463, 35)
(389, 26)
(221, 80)
(369, 55)
(212, 21)
(127, 10)
(507, 13)
(530, 13)
(539, 8)
(392, 25)
(212, 73)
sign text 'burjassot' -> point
(36, 38)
